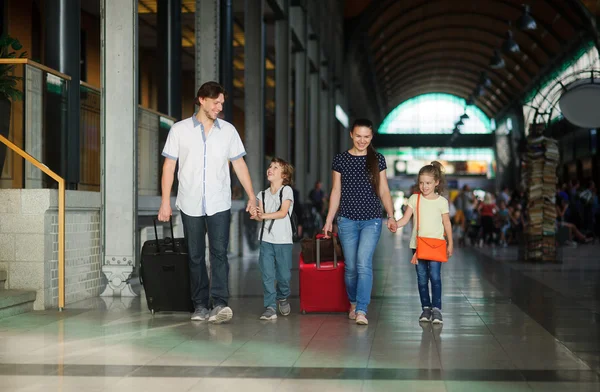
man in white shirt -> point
(204, 145)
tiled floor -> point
(508, 326)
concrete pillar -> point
(323, 134)
(207, 41)
(313, 145)
(62, 52)
(282, 85)
(300, 123)
(254, 81)
(169, 57)
(119, 31)
(298, 23)
(226, 66)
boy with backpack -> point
(276, 238)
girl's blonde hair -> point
(287, 171)
(435, 170)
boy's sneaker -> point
(352, 312)
(437, 316)
(200, 314)
(284, 307)
(426, 315)
(220, 314)
(361, 319)
(269, 314)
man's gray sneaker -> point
(284, 307)
(437, 316)
(426, 315)
(220, 314)
(200, 314)
(269, 314)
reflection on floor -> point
(507, 326)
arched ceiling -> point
(419, 46)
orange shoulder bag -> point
(432, 249)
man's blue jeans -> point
(275, 263)
(195, 229)
(429, 271)
(359, 239)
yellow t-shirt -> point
(431, 218)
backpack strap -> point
(262, 228)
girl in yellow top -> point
(434, 222)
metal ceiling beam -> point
(432, 75)
(451, 45)
(466, 12)
(472, 64)
(496, 77)
(478, 34)
(433, 140)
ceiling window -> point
(435, 114)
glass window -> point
(435, 113)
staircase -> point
(13, 302)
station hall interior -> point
(504, 93)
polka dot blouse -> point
(359, 201)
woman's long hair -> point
(372, 160)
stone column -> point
(254, 81)
(119, 33)
(169, 57)
(282, 85)
(323, 133)
(298, 21)
(207, 41)
(313, 145)
(300, 123)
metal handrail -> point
(61, 215)
(36, 65)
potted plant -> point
(8, 87)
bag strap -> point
(279, 209)
(262, 228)
(418, 213)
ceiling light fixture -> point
(485, 81)
(526, 21)
(510, 45)
(497, 60)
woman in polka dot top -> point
(359, 187)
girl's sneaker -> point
(361, 319)
(437, 316)
(352, 312)
(269, 314)
(426, 315)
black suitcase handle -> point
(172, 235)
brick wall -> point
(29, 244)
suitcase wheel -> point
(303, 311)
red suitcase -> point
(322, 286)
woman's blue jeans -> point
(359, 239)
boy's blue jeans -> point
(275, 263)
(429, 271)
(359, 240)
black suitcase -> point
(164, 274)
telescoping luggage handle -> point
(172, 235)
(318, 239)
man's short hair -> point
(210, 90)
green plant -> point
(8, 83)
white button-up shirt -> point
(204, 180)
